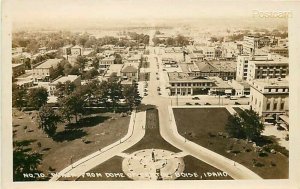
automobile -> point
(188, 103)
(158, 88)
(236, 103)
(195, 98)
(207, 103)
(145, 90)
(227, 96)
(164, 69)
(159, 93)
(157, 78)
(243, 96)
(156, 73)
(197, 104)
(233, 98)
(145, 94)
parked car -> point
(243, 96)
(196, 98)
(157, 78)
(158, 88)
(159, 93)
(145, 90)
(236, 103)
(227, 96)
(164, 69)
(145, 94)
(207, 103)
(197, 104)
(188, 103)
(233, 98)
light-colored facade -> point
(269, 97)
(44, 71)
(183, 84)
(76, 51)
(250, 44)
(106, 62)
(273, 67)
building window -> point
(275, 106)
(268, 106)
(282, 106)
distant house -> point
(18, 69)
(77, 50)
(106, 62)
(72, 78)
(45, 71)
(67, 49)
(130, 72)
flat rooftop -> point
(50, 63)
(180, 76)
(65, 78)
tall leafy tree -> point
(131, 95)
(81, 62)
(37, 97)
(64, 89)
(72, 104)
(48, 120)
(24, 161)
(18, 97)
(245, 125)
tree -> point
(37, 97)
(64, 89)
(118, 59)
(245, 125)
(252, 125)
(18, 97)
(24, 161)
(114, 92)
(81, 62)
(234, 126)
(95, 63)
(48, 120)
(90, 74)
(131, 95)
(72, 104)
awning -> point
(285, 118)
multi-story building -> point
(106, 62)
(273, 67)
(130, 72)
(45, 71)
(76, 50)
(269, 97)
(250, 44)
(243, 60)
(183, 84)
(223, 69)
(66, 50)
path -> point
(135, 133)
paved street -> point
(170, 134)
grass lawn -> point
(204, 170)
(152, 138)
(238, 110)
(113, 165)
(206, 127)
(72, 140)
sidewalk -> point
(135, 133)
(170, 133)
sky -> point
(81, 11)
